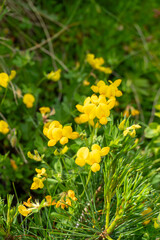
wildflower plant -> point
(95, 186)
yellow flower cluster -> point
(54, 76)
(5, 79)
(4, 128)
(97, 63)
(93, 157)
(32, 206)
(28, 100)
(128, 130)
(134, 111)
(65, 199)
(108, 90)
(63, 202)
(98, 106)
(36, 156)
(56, 132)
(38, 181)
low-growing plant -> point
(92, 180)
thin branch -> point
(153, 108)
(39, 45)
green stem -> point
(107, 212)
(41, 81)
(113, 225)
(89, 176)
(4, 96)
(109, 238)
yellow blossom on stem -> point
(91, 157)
(29, 206)
(54, 76)
(86, 83)
(28, 203)
(12, 75)
(56, 132)
(156, 223)
(121, 125)
(97, 63)
(131, 130)
(95, 167)
(82, 156)
(44, 110)
(40, 172)
(108, 90)
(28, 100)
(13, 164)
(131, 109)
(37, 183)
(49, 201)
(35, 157)
(134, 112)
(71, 194)
(4, 128)
(4, 79)
(23, 210)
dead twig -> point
(153, 108)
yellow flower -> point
(97, 63)
(12, 75)
(68, 202)
(131, 130)
(65, 201)
(54, 76)
(86, 83)
(28, 100)
(35, 157)
(108, 90)
(56, 132)
(92, 157)
(52, 142)
(49, 201)
(134, 112)
(28, 203)
(104, 151)
(71, 194)
(61, 204)
(146, 212)
(4, 79)
(82, 155)
(64, 150)
(37, 183)
(40, 172)
(4, 128)
(121, 125)
(23, 210)
(95, 107)
(156, 223)
(129, 108)
(13, 164)
(95, 167)
(44, 110)
(32, 206)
